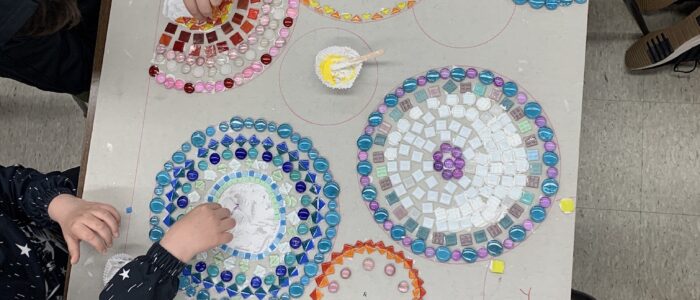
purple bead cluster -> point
(449, 162)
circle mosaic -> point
(281, 193)
(234, 47)
(359, 11)
(458, 164)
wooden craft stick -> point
(357, 60)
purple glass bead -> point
(508, 244)
(445, 147)
(528, 225)
(456, 255)
(471, 73)
(449, 163)
(362, 155)
(437, 156)
(540, 121)
(406, 241)
(482, 252)
(457, 174)
(369, 130)
(374, 205)
(552, 172)
(498, 81)
(381, 108)
(444, 73)
(550, 146)
(459, 163)
(364, 180)
(437, 166)
(388, 225)
(456, 152)
(446, 174)
(422, 80)
(429, 252)
(399, 92)
(545, 202)
(522, 98)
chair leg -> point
(637, 14)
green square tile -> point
(527, 198)
(420, 95)
(451, 239)
(382, 172)
(480, 236)
(396, 114)
(392, 198)
(410, 225)
(525, 126)
(479, 89)
(506, 222)
(449, 87)
(423, 233)
(535, 169)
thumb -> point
(73, 249)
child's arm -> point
(154, 275)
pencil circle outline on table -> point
(301, 116)
(373, 15)
(296, 178)
(394, 194)
(198, 61)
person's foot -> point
(578, 295)
(662, 46)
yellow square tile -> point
(567, 205)
(497, 266)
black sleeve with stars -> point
(152, 276)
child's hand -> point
(92, 222)
(203, 228)
(201, 9)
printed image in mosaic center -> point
(458, 164)
(280, 192)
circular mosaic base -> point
(359, 11)
(458, 164)
(281, 194)
(218, 55)
(549, 4)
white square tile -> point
(475, 143)
(459, 141)
(445, 198)
(465, 131)
(419, 142)
(468, 153)
(404, 165)
(445, 136)
(433, 103)
(403, 125)
(432, 181)
(428, 118)
(427, 207)
(428, 222)
(418, 193)
(520, 180)
(391, 153)
(392, 166)
(407, 202)
(458, 111)
(471, 192)
(452, 99)
(429, 146)
(450, 187)
(400, 190)
(441, 226)
(464, 182)
(493, 179)
(409, 137)
(455, 126)
(432, 196)
(469, 98)
(395, 179)
(443, 111)
(440, 125)
(404, 149)
(418, 175)
(415, 113)
(515, 193)
(429, 132)
(427, 166)
(417, 156)
(408, 182)
(417, 127)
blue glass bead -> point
(551, 4)
(186, 188)
(154, 220)
(281, 270)
(325, 245)
(375, 118)
(303, 214)
(255, 282)
(226, 276)
(536, 4)
(494, 247)
(163, 178)
(380, 215)
(364, 168)
(321, 164)
(214, 158)
(391, 100)
(550, 158)
(532, 110)
(331, 190)
(168, 166)
(295, 137)
(227, 154)
(248, 123)
(202, 165)
(418, 246)
(510, 89)
(519, 2)
(332, 218)
(290, 260)
(236, 123)
(580, 1)
(284, 296)
(398, 232)
(469, 255)
(364, 142)
(305, 280)
(198, 139)
(213, 271)
(210, 131)
(443, 254)
(565, 2)
(186, 147)
(319, 258)
(240, 278)
(241, 153)
(223, 126)
(284, 130)
(369, 193)
(545, 133)
(432, 76)
(192, 175)
(156, 233)
(300, 187)
(260, 125)
(410, 85)
(157, 205)
(296, 290)
(327, 176)
(310, 269)
(458, 74)
(158, 190)
(203, 295)
(179, 157)
(295, 242)
(252, 153)
(313, 154)
(537, 214)
(271, 126)
(200, 266)
(287, 167)
(550, 187)
(305, 144)
(190, 291)
(269, 279)
(517, 233)
(331, 232)
(486, 77)
(182, 202)
(267, 156)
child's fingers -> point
(100, 227)
(225, 238)
(222, 213)
(84, 233)
(204, 7)
(215, 3)
(73, 249)
(227, 224)
(191, 6)
(213, 205)
(112, 211)
(108, 219)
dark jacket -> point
(33, 255)
(60, 62)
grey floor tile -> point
(39, 129)
(610, 162)
(670, 250)
(612, 17)
(606, 254)
(671, 158)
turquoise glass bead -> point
(369, 193)
(458, 74)
(443, 254)
(517, 233)
(469, 255)
(364, 168)
(550, 187)
(494, 247)
(418, 246)
(284, 130)
(391, 100)
(398, 232)
(375, 118)
(537, 214)
(364, 142)
(380, 215)
(331, 190)
(532, 110)
(486, 77)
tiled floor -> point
(638, 222)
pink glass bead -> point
(219, 86)
(540, 121)
(259, 30)
(292, 13)
(264, 20)
(345, 273)
(444, 73)
(243, 47)
(482, 252)
(545, 202)
(406, 241)
(293, 3)
(399, 92)
(368, 264)
(471, 73)
(160, 78)
(429, 252)
(456, 255)
(170, 55)
(209, 86)
(456, 152)
(200, 61)
(284, 32)
(266, 9)
(247, 72)
(508, 244)
(279, 42)
(362, 155)
(238, 78)
(179, 84)
(421, 80)
(522, 98)
(369, 130)
(169, 83)
(552, 172)
(528, 225)
(403, 287)
(381, 108)
(252, 39)
(257, 67)
(364, 180)
(232, 55)
(160, 49)
(550, 146)
(210, 62)
(180, 57)
(390, 270)
(374, 205)
(498, 81)
(274, 51)
(199, 87)
(333, 287)
(388, 225)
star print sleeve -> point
(25, 193)
(152, 276)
